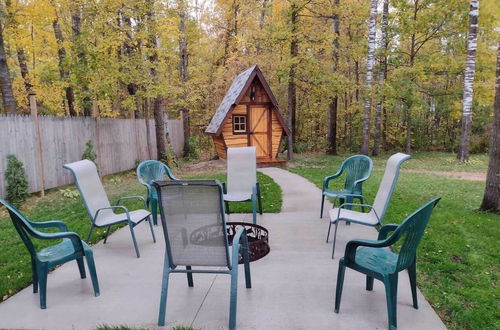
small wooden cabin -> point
(249, 116)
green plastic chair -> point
(358, 169)
(375, 261)
(71, 248)
(194, 227)
(147, 172)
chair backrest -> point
(388, 183)
(411, 231)
(89, 184)
(193, 221)
(22, 225)
(150, 170)
(241, 169)
(356, 167)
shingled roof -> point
(233, 96)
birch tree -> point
(491, 198)
(470, 70)
(369, 77)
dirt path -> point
(471, 176)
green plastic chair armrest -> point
(386, 229)
(50, 224)
(327, 179)
(352, 246)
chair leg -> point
(322, 205)
(346, 200)
(42, 281)
(335, 237)
(412, 273)
(246, 263)
(154, 211)
(369, 283)
(391, 291)
(131, 226)
(340, 285)
(189, 277)
(254, 210)
(164, 291)
(234, 295)
(34, 275)
(259, 198)
(106, 236)
(89, 255)
(81, 267)
(328, 234)
(90, 233)
(151, 227)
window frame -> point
(237, 132)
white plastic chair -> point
(242, 185)
(377, 211)
(97, 203)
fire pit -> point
(258, 239)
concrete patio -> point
(292, 287)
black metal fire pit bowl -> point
(258, 239)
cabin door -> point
(260, 136)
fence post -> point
(38, 142)
(95, 115)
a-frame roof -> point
(234, 95)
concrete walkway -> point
(292, 287)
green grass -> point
(458, 259)
(15, 264)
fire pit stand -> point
(258, 239)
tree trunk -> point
(292, 90)
(183, 70)
(369, 77)
(381, 76)
(9, 102)
(470, 69)
(63, 73)
(152, 44)
(23, 67)
(76, 26)
(491, 198)
(333, 106)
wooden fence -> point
(119, 144)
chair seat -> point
(379, 260)
(354, 216)
(112, 218)
(337, 193)
(59, 251)
(237, 196)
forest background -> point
(139, 58)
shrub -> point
(89, 152)
(194, 148)
(17, 182)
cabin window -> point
(239, 124)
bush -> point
(89, 152)
(17, 182)
(194, 148)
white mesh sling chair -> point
(242, 185)
(194, 227)
(101, 212)
(379, 207)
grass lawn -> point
(15, 262)
(458, 259)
